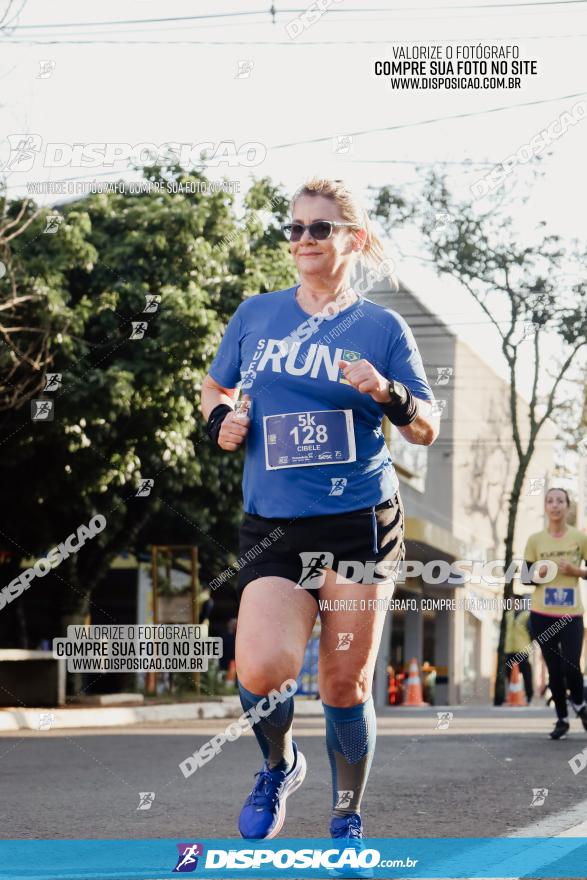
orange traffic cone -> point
(516, 696)
(413, 691)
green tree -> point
(23, 341)
(127, 408)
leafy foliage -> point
(128, 409)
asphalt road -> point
(474, 779)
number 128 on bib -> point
(309, 438)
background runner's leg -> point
(526, 670)
(551, 651)
(571, 640)
(274, 624)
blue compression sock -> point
(350, 742)
(273, 732)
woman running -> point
(556, 615)
(321, 365)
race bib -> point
(559, 596)
(309, 438)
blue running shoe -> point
(263, 814)
(349, 828)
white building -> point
(455, 495)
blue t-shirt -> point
(291, 467)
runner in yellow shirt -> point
(556, 616)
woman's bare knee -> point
(261, 673)
(345, 689)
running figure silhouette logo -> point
(244, 68)
(139, 328)
(343, 144)
(536, 486)
(144, 489)
(444, 719)
(46, 68)
(146, 799)
(152, 301)
(444, 375)
(53, 223)
(52, 381)
(338, 485)
(539, 795)
(313, 563)
(343, 799)
(23, 151)
(344, 641)
(42, 410)
(188, 857)
(46, 720)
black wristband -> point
(215, 420)
(401, 412)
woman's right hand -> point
(543, 571)
(234, 430)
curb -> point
(107, 716)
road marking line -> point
(568, 823)
(544, 828)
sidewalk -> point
(118, 716)
(65, 717)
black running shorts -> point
(349, 543)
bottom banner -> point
(553, 857)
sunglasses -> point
(319, 229)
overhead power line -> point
(270, 43)
(432, 120)
(128, 21)
(28, 27)
(325, 138)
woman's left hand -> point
(365, 378)
(566, 567)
